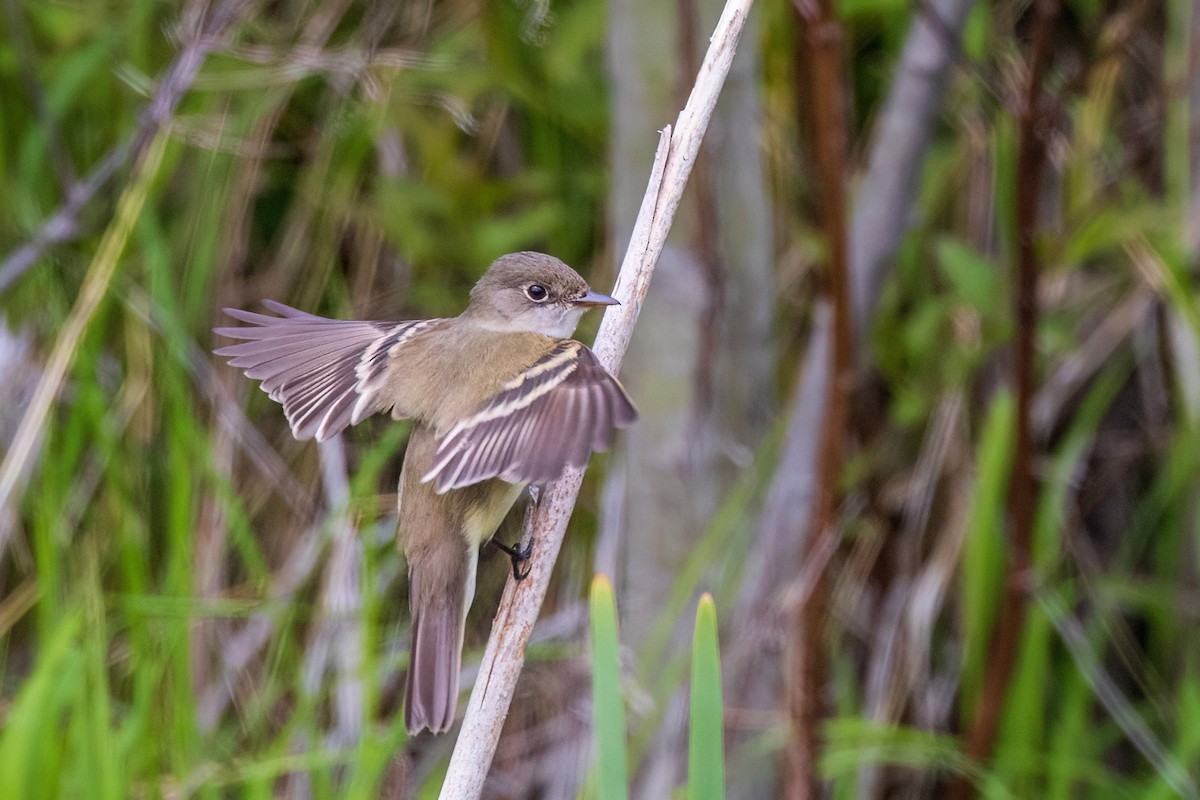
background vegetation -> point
(194, 604)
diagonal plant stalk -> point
(18, 461)
(212, 26)
(546, 524)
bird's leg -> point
(518, 557)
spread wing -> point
(327, 373)
(552, 415)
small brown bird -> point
(500, 398)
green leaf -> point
(706, 746)
(983, 552)
(612, 779)
(31, 752)
(973, 277)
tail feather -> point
(438, 603)
(434, 663)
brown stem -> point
(807, 659)
(706, 246)
(880, 218)
(1031, 160)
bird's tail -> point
(439, 596)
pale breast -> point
(473, 512)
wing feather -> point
(327, 373)
(551, 416)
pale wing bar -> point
(325, 372)
(552, 415)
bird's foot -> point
(517, 556)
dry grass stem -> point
(546, 526)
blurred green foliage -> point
(164, 582)
(167, 561)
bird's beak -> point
(594, 299)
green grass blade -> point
(95, 287)
(31, 751)
(97, 762)
(983, 551)
(612, 779)
(706, 746)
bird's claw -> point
(517, 557)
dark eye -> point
(536, 292)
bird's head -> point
(532, 292)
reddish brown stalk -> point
(807, 659)
(705, 244)
(1031, 160)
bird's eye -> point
(536, 292)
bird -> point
(500, 398)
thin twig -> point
(338, 633)
(63, 225)
(519, 607)
(1079, 365)
(1120, 708)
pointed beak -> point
(594, 299)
